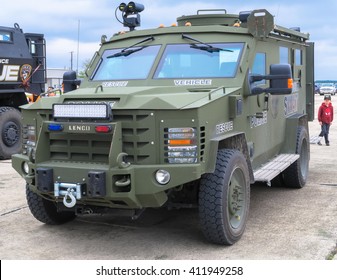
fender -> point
(236, 141)
(292, 123)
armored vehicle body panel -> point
(181, 116)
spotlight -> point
(130, 13)
(122, 7)
(135, 7)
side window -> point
(32, 46)
(298, 57)
(259, 66)
(5, 36)
(284, 55)
(297, 66)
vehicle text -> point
(224, 127)
(193, 82)
(9, 73)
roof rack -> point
(291, 33)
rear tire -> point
(224, 199)
(45, 211)
(10, 132)
(295, 176)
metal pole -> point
(71, 60)
(78, 45)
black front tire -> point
(45, 211)
(224, 199)
(10, 132)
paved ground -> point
(284, 224)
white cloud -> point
(61, 50)
(59, 19)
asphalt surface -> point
(284, 224)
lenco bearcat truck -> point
(179, 116)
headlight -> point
(184, 154)
(29, 140)
(181, 145)
(163, 177)
(25, 167)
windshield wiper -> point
(127, 51)
(209, 49)
(205, 47)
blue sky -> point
(60, 21)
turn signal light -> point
(179, 142)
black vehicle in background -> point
(22, 70)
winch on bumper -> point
(132, 187)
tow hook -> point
(71, 193)
(72, 198)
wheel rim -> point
(10, 134)
(236, 198)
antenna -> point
(278, 9)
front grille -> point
(68, 147)
(138, 141)
(138, 135)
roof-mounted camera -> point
(130, 13)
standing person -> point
(325, 118)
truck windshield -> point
(191, 61)
(120, 64)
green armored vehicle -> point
(179, 116)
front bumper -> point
(132, 187)
(322, 92)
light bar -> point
(78, 111)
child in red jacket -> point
(325, 118)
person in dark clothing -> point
(325, 118)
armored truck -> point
(189, 115)
(22, 70)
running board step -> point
(274, 167)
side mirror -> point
(70, 81)
(280, 77)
